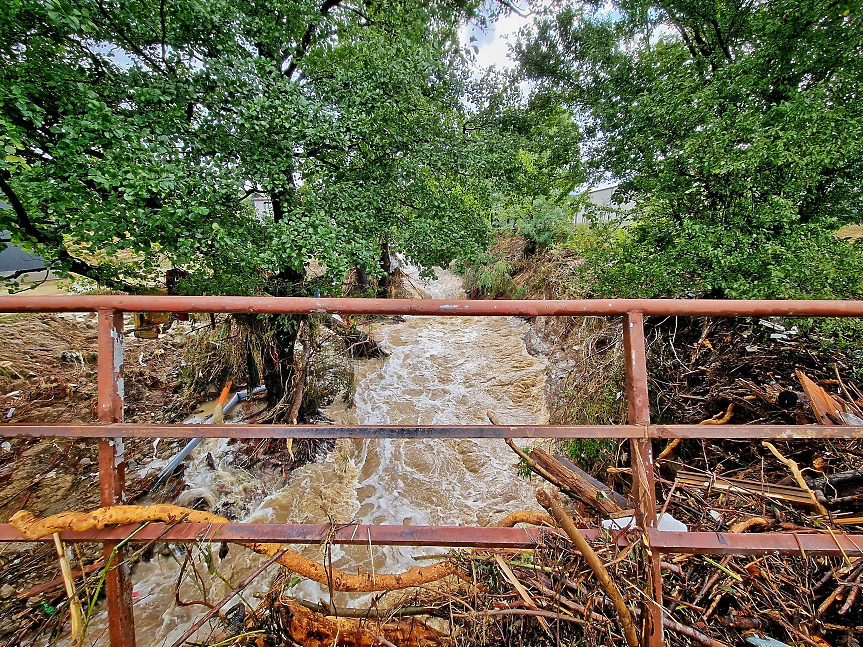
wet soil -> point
(48, 373)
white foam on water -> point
(441, 370)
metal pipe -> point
(181, 456)
(663, 541)
(112, 475)
(643, 481)
(438, 307)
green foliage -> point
(592, 454)
(491, 280)
(541, 222)
(133, 132)
(735, 127)
(656, 257)
(523, 468)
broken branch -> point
(593, 561)
(798, 476)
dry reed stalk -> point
(75, 610)
(595, 564)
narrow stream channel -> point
(442, 370)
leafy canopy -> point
(135, 132)
(735, 126)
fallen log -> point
(586, 491)
(31, 527)
(619, 499)
(532, 464)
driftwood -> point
(595, 564)
(624, 502)
(526, 516)
(667, 623)
(556, 473)
(719, 419)
(59, 581)
(744, 486)
(32, 527)
(795, 472)
(312, 629)
(850, 476)
(586, 491)
(751, 522)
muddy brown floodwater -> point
(441, 370)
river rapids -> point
(441, 370)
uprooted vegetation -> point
(48, 373)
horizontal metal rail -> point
(663, 541)
(436, 307)
(655, 432)
(640, 432)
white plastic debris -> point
(666, 522)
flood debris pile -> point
(717, 372)
(699, 367)
(48, 374)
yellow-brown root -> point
(316, 630)
(32, 527)
(526, 516)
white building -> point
(601, 206)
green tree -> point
(735, 126)
(135, 131)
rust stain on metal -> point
(111, 431)
(301, 305)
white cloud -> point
(494, 40)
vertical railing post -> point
(643, 484)
(112, 474)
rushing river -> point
(441, 370)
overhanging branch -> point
(61, 254)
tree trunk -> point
(277, 358)
(362, 277)
(385, 282)
(277, 354)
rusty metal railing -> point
(111, 430)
